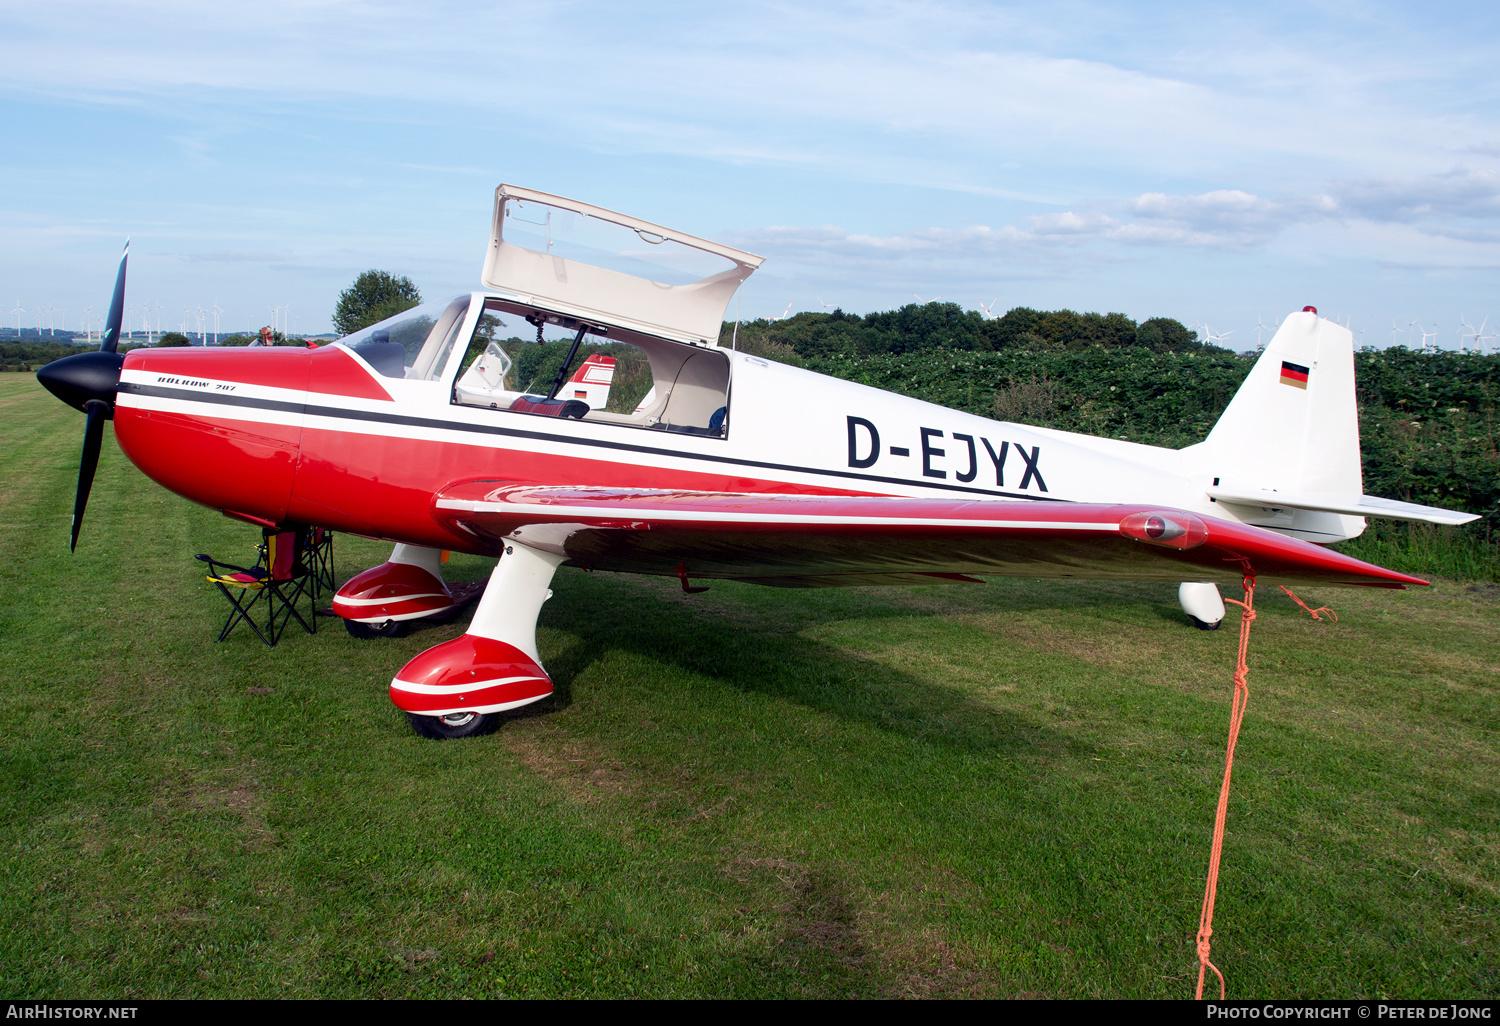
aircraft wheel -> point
(1204, 625)
(365, 631)
(454, 725)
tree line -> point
(917, 328)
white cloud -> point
(1164, 235)
(1230, 217)
(1227, 219)
(1461, 192)
(1220, 205)
(1070, 222)
(977, 242)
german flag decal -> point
(1293, 374)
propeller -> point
(88, 382)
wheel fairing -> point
(469, 674)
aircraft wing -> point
(822, 540)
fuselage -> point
(319, 436)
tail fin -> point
(1292, 429)
(591, 381)
(1293, 425)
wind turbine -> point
(1480, 337)
(1262, 326)
(1427, 335)
(216, 312)
(924, 302)
(1462, 324)
(989, 312)
(17, 312)
(182, 325)
(1209, 335)
(201, 315)
(785, 312)
(827, 306)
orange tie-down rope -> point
(1236, 717)
(1310, 610)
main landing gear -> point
(384, 629)
(453, 725)
(408, 586)
(456, 689)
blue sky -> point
(1218, 164)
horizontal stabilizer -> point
(1347, 503)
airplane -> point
(713, 465)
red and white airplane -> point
(714, 465)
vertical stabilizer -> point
(591, 381)
(1293, 426)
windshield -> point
(553, 371)
(413, 344)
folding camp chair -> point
(318, 555)
(279, 581)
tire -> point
(1203, 625)
(447, 728)
(366, 631)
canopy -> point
(692, 312)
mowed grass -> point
(989, 790)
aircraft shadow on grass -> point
(760, 658)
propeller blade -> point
(93, 436)
(116, 308)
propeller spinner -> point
(88, 382)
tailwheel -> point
(453, 725)
(384, 629)
(1204, 625)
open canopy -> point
(532, 231)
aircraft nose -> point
(84, 378)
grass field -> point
(992, 790)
